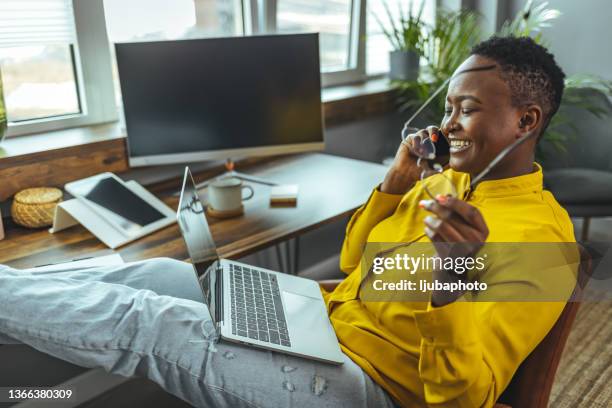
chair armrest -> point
(329, 284)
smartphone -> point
(107, 195)
(442, 149)
(442, 146)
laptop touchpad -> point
(305, 310)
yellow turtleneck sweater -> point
(465, 353)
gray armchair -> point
(581, 179)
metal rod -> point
(279, 257)
(296, 255)
(500, 156)
(289, 264)
(428, 101)
(586, 223)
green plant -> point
(407, 34)
(447, 44)
(582, 91)
(530, 21)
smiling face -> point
(480, 121)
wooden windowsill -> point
(59, 139)
(55, 158)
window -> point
(151, 20)
(331, 18)
(378, 47)
(352, 45)
(52, 68)
(39, 82)
(338, 23)
(36, 59)
(56, 56)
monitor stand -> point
(229, 166)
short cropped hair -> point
(530, 71)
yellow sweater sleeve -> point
(378, 207)
(464, 364)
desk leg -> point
(296, 255)
(289, 266)
(586, 224)
(279, 257)
(288, 259)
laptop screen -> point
(200, 244)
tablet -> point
(117, 204)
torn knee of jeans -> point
(288, 386)
(318, 385)
(212, 346)
(209, 330)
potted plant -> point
(445, 46)
(449, 43)
(407, 37)
(582, 91)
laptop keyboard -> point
(257, 311)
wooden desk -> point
(330, 188)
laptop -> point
(251, 305)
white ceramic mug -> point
(226, 194)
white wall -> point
(581, 38)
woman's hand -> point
(404, 172)
(457, 230)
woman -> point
(148, 318)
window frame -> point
(93, 62)
(265, 23)
(93, 76)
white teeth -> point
(460, 143)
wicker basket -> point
(35, 207)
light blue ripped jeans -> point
(147, 319)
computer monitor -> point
(219, 98)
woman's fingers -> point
(449, 240)
(433, 132)
(415, 139)
(468, 213)
(439, 230)
(452, 230)
(452, 225)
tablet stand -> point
(73, 212)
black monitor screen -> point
(189, 96)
